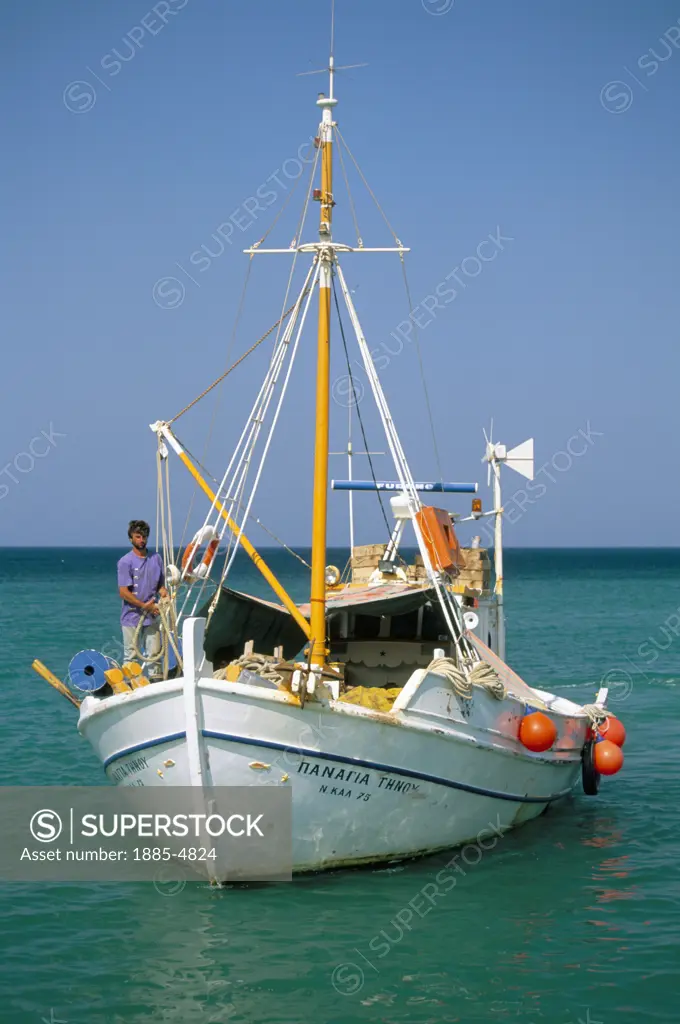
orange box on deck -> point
(440, 539)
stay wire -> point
(356, 406)
(251, 515)
(236, 323)
(422, 372)
(341, 139)
(239, 360)
(368, 187)
(218, 399)
(278, 215)
(350, 197)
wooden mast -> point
(318, 649)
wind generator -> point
(521, 459)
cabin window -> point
(366, 627)
(405, 627)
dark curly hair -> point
(139, 526)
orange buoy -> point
(614, 730)
(537, 732)
(608, 757)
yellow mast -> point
(317, 648)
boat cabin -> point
(383, 623)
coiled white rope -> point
(481, 674)
(262, 665)
(447, 668)
(167, 635)
(597, 715)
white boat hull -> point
(367, 786)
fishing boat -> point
(384, 703)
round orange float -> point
(614, 731)
(608, 757)
(537, 732)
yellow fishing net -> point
(377, 698)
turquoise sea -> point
(573, 918)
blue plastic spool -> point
(87, 668)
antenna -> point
(324, 71)
(331, 69)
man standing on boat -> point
(140, 583)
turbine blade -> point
(521, 458)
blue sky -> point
(131, 135)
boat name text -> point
(356, 776)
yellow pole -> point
(318, 588)
(257, 559)
(50, 678)
(318, 649)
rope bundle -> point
(263, 665)
(167, 634)
(447, 668)
(481, 674)
(596, 715)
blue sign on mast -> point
(435, 486)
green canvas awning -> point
(239, 617)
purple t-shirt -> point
(143, 576)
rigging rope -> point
(450, 609)
(254, 425)
(234, 365)
(351, 199)
(207, 473)
(235, 488)
(236, 322)
(422, 370)
(408, 292)
(278, 215)
(276, 355)
(290, 352)
(368, 187)
(278, 539)
(218, 400)
(303, 216)
(356, 406)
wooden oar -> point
(50, 677)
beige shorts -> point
(149, 642)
